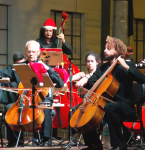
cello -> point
(90, 114)
(20, 118)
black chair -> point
(4, 102)
(139, 98)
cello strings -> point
(98, 95)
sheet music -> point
(26, 74)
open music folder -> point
(55, 55)
(26, 74)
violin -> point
(90, 114)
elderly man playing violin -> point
(32, 50)
(125, 73)
(11, 97)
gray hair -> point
(33, 41)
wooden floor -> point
(62, 147)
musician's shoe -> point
(121, 147)
(94, 147)
(45, 142)
(10, 144)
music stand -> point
(31, 80)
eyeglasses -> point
(33, 52)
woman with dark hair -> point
(92, 59)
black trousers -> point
(114, 114)
(47, 123)
(91, 138)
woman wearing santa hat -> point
(48, 39)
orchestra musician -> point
(125, 73)
(11, 97)
(32, 50)
(92, 59)
(48, 39)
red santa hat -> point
(39, 69)
(49, 23)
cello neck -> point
(99, 81)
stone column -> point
(120, 19)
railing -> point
(3, 66)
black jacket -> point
(55, 79)
(10, 97)
(125, 78)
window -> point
(72, 33)
(139, 39)
(3, 34)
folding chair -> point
(139, 99)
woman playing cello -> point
(125, 73)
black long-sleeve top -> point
(66, 48)
(124, 77)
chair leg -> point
(39, 138)
(141, 131)
(1, 130)
(79, 141)
(18, 139)
(1, 135)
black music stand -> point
(70, 114)
(31, 80)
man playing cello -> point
(125, 73)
